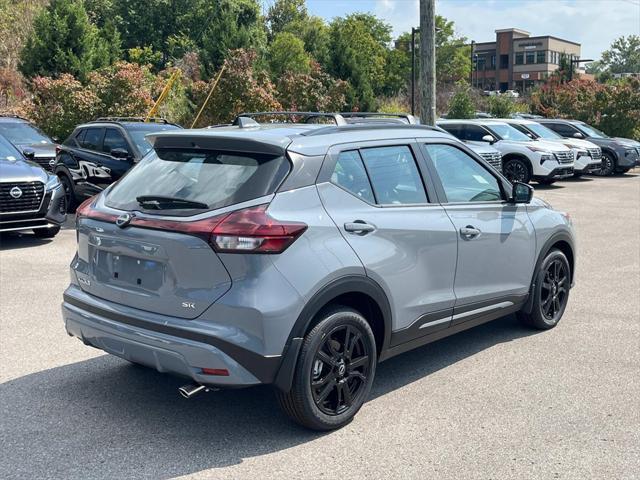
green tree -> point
(287, 54)
(65, 41)
(501, 106)
(284, 12)
(359, 55)
(453, 55)
(461, 105)
(315, 34)
(623, 56)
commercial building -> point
(518, 61)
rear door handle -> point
(359, 226)
(469, 232)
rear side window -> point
(473, 133)
(92, 139)
(215, 178)
(350, 174)
(394, 175)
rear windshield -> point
(214, 178)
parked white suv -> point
(523, 159)
(587, 155)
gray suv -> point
(301, 255)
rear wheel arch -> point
(354, 291)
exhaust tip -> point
(191, 390)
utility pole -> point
(428, 61)
(413, 69)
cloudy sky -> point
(592, 23)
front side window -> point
(394, 175)
(198, 179)
(473, 133)
(113, 139)
(349, 173)
(463, 179)
(92, 139)
(507, 132)
(562, 129)
(589, 131)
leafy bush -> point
(242, 87)
(461, 105)
(501, 106)
(316, 91)
(613, 107)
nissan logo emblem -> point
(15, 192)
(124, 220)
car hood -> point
(481, 147)
(42, 149)
(626, 141)
(552, 145)
(22, 171)
(574, 143)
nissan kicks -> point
(302, 255)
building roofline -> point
(516, 30)
(549, 36)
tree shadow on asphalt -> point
(105, 418)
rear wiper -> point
(160, 203)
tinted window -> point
(215, 178)
(507, 132)
(561, 129)
(394, 175)
(139, 131)
(113, 139)
(350, 174)
(463, 179)
(519, 58)
(92, 139)
(75, 140)
(473, 133)
(454, 130)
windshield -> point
(20, 133)
(507, 132)
(138, 133)
(8, 151)
(589, 131)
(191, 177)
(542, 131)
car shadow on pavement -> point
(105, 418)
(12, 241)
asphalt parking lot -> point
(495, 402)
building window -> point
(519, 58)
(540, 57)
(504, 61)
(531, 57)
(493, 61)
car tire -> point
(516, 170)
(69, 194)
(46, 232)
(334, 371)
(608, 165)
(551, 292)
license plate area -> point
(127, 271)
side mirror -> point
(578, 135)
(29, 154)
(489, 138)
(55, 139)
(521, 193)
(120, 154)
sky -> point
(595, 24)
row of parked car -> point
(54, 178)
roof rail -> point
(132, 119)
(306, 116)
(368, 126)
(410, 119)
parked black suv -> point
(30, 198)
(619, 155)
(25, 135)
(98, 153)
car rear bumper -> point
(173, 349)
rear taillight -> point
(252, 230)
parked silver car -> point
(301, 255)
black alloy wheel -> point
(554, 291)
(516, 171)
(70, 197)
(340, 370)
(608, 165)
